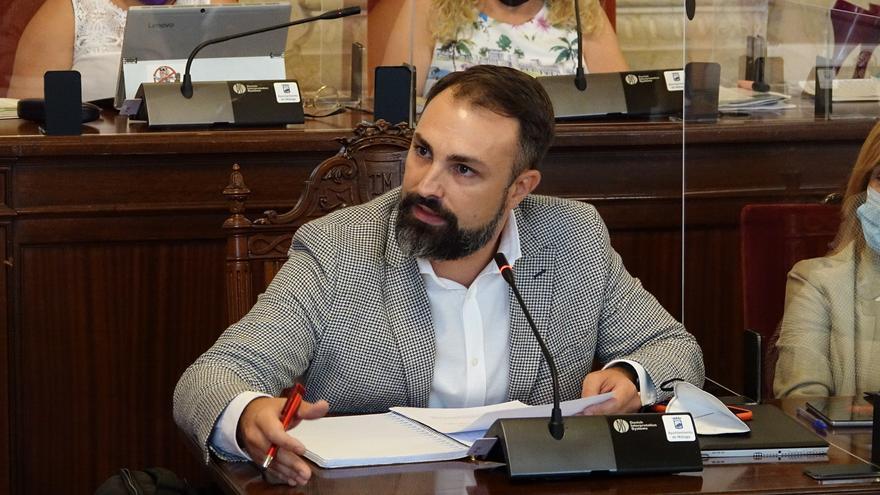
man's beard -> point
(439, 242)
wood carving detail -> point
(236, 193)
(369, 164)
(269, 246)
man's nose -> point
(430, 183)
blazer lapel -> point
(534, 276)
(409, 316)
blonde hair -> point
(856, 191)
(449, 17)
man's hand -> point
(618, 381)
(260, 426)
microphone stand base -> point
(594, 445)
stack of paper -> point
(8, 108)
(848, 89)
(746, 100)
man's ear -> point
(522, 186)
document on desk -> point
(412, 434)
(746, 100)
(8, 108)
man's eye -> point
(464, 169)
(421, 150)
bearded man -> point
(397, 302)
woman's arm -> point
(601, 48)
(804, 366)
(45, 44)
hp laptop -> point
(158, 40)
(627, 94)
(773, 434)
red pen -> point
(287, 415)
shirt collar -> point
(508, 245)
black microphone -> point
(580, 80)
(186, 89)
(556, 426)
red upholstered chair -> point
(773, 238)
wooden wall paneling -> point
(119, 322)
(712, 301)
(6, 305)
(5, 379)
(120, 281)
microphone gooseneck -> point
(556, 425)
(580, 80)
(186, 88)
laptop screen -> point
(158, 40)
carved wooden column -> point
(239, 286)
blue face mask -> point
(869, 214)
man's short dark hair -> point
(510, 93)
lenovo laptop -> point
(158, 40)
(774, 434)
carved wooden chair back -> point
(369, 164)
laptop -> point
(842, 411)
(628, 94)
(158, 40)
(774, 434)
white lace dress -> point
(99, 26)
(97, 45)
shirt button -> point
(474, 361)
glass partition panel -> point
(323, 55)
(632, 166)
(757, 170)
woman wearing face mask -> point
(829, 343)
(82, 35)
(535, 36)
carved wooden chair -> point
(369, 164)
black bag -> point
(150, 481)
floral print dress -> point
(534, 47)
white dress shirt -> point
(471, 326)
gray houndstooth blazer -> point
(349, 312)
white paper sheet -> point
(456, 420)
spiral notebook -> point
(411, 434)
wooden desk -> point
(114, 257)
(474, 478)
